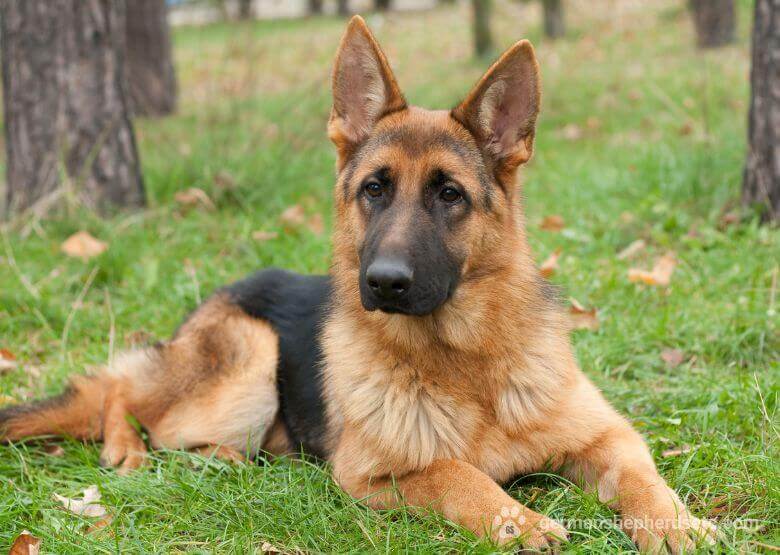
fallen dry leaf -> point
(86, 506)
(593, 122)
(661, 274)
(7, 361)
(7, 400)
(224, 181)
(316, 224)
(677, 451)
(548, 267)
(25, 544)
(83, 245)
(728, 219)
(100, 524)
(264, 235)
(194, 197)
(54, 450)
(293, 216)
(571, 132)
(632, 250)
(686, 128)
(553, 222)
(672, 357)
(582, 319)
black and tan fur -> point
(429, 367)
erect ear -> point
(501, 109)
(364, 88)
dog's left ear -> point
(364, 89)
(501, 109)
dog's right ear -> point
(364, 89)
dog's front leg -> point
(619, 466)
(459, 491)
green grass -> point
(660, 154)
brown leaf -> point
(632, 250)
(86, 506)
(194, 197)
(100, 524)
(582, 319)
(224, 181)
(316, 224)
(686, 128)
(54, 450)
(548, 267)
(732, 217)
(25, 544)
(264, 235)
(6, 354)
(83, 245)
(673, 357)
(660, 275)
(7, 361)
(293, 216)
(553, 222)
(571, 132)
(593, 122)
(677, 451)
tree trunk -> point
(382, 5)
(483, 40)
(342, 7)
(761, 182)
(151, 78)
(244, 9)
(554, 24)
(315, 7)
(714, 21)
(65, 102)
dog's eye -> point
(373, 188)
(450, 194)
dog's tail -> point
(75, 413)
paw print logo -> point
(508, 522)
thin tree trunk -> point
(342, 7)
(315, 7)
(65, 102)
(761, 181)
(714, 20)
(244, 9)
(554, 23)
(382, 5)
(151, 77)
(483, 39)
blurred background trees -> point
(66, 105)
(554, 24)
(151, 78)
(761, 184)
(53, 72)
(483, 39)
(714, 21)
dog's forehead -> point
(417, 132)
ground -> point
(641, 137)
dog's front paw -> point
(674, 531)
(531, 529)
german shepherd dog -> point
(430, 366)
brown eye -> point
(450, 194)
(373, 188)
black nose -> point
(389, 279)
